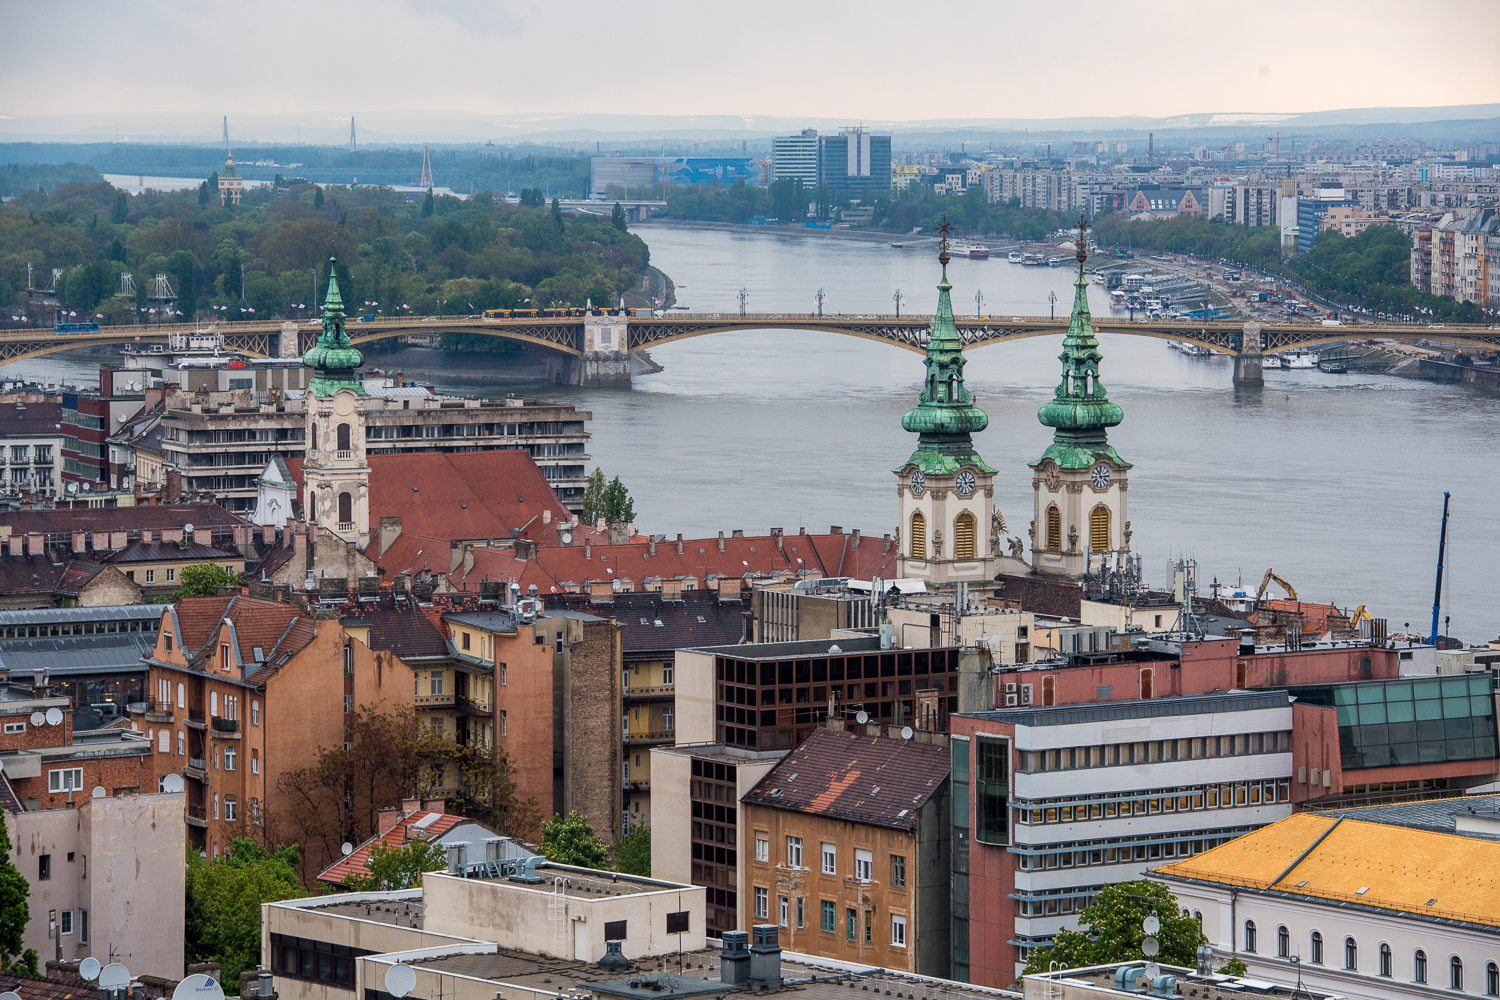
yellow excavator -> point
(1359, 613)
(1291, 592)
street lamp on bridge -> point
(978, 303)
(821, 299)
(744, 298)
(1052, 303)
(897, 299)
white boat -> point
(1117, 299)
(1053, 261)
(1300, 358)
(1174, 345)
(1016, 257)
(1032, 260)
(1096, 278)
(1271, 362)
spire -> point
(1080, 410)
(333, 359)
(945, 415)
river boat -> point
(1053, 261)
(1016, 257)
(1333, 367)
(1096, 278)
(1032, 260)
(1117, 299)
(1272, 362)
(898, 246)
(973, 251)
(1301, 358)
(1174, 345)
(1196, 351)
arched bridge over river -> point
(594, 350)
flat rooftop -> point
(585, 883)
(796, 650)
(723, 753)
(1189, 983)
(396, 912)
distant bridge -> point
(581, 345)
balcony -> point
(195, 720)
(226, 729)
(434, 701)
(196, 768)
(346, 526)
(471, 707)
(344, 453)
(641, 737)
(196, 816)
(158, 711)
(647, 692)
(637, 785)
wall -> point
(695, 697)
(527, 701)
(671, 805)
(1315, 748)
(591, 754)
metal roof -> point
(118, 652)
(1112, 711)
(58, 616)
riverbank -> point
(858, 235)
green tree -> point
(1110, 930)
(117, 251)
(184, 270)
(594, 504)
(617, 218)
(633, 852)
(317, 197)
(399, 867)
(223, 902)
(532, 197)
(201, 580)
(618, 506)
(1234, 967)
(203, 193)
(121, 210)
(570, 840)
(14, 913)
(557, 213)
(427, 205)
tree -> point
(117, 251)
(317, 197)
(203, 193)
(184, 270)
(427, 205)
(532, 197)
(557, 213)
(594, 503)
(1111, 930)
(399, 867)
(223, 902)
(633, 852)
(1234, 967)
(14, 913)
(121, 210)
(570, 840)
(201, 580)
(617, 218)
(618, 506)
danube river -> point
(1336, 481)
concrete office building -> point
(852, 162)
(795, 157)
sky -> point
(888, 60)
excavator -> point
(1291, 592)
(1359, 613)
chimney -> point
(456, 555)
(679, 543)
(588, 550)
(409, 806)
(854, 538)
(435, 806)
(34, 544)
(734, 959)
(737, 533)
(834, 529)
(400, 380)
(620, 532)
(387, 821)
(887, 547)
(171, 535)
(765, 959)
(801, 531)
(80, 540)
(721, 541)
(651, 545)
(101, 541)
(468, 558)
(776, 536)
(147, 536)
(546, 515)
(117, 540)
(390, 530)
(299, 540)
(15, 545)
(599, 523)
(174, 486)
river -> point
(1334, 480)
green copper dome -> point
(1079, 409)
(333, 359)
(945, 414)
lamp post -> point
(744, 298)
(821, 299)
(978, 303)
(1052, 304)
(897, 299)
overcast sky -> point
(877, 59)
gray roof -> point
(1113, 711)
(1436, 815)
(651, 985)
(493, 621)
(791, 650)
(59, 616)
(117, 652)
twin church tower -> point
(950, 530)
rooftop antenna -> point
(351, 133)
(226, 134)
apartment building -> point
(89, 655)
(31, 446)
(1460, 251)
(795, 157)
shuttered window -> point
(963, 536)
(1054, 529)
(1099, 529)
(918, 536)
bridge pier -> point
(605, 363)
(1248, 372)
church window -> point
(963, 536)
(1054, 529)
(918, 536)
(343, 433)
(1099, 529)
(315, 437)
(346, 508)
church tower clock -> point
(946, 491)
(335, 475)
(1080, 481)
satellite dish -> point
(567, 538)
(347, 849)
(54, 717)
(89, 968)
(906, 732)
(172, 783)
(97, 793)
(862, 718)
(114, 976)
(1150, 947)
(197, 987)
(400, 980)
(10, 996)
(37, 718)
(1151, 925)
(187, 529)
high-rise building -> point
(795, 157)
(852, 162)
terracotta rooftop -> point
(141, 552)
(202, 516)
(853, 777)
(278, 630)
(432, 825)
(42, 576)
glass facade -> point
(1418, 720)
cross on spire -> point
(1082, 252)
(943, 230)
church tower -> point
(946, 491)
(1080, 481)
(335, 476)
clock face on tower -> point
(1100, 476)
(965, 483)
(918, 483)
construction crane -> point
(1291, 592)
(1437, 591)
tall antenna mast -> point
(226, 134)
(426, 179)
(351, 133)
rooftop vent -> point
(614, 959)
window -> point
(12, 728)
(830, 860)
(863, 863)
(667, 720)
(181, 743)
(1283, 943)
(229, 758)
(230, 806)
(1054, 529)
(225, 661)
(216, 805)
(794, 852)
(67, 921)
(869, 926)
(437, 682)
(463, 640)
(667, 674)
(163, 742)
(898, 871)
(83, 926)
(963, 536)
(346, 508)
(255, 811)
(801, 912)
(343, 437)
(1099, 529)
(851, 922)
(762, 847)
(1250, 936)
(918, 536)
(1385, 960)
(1419, 966)
(504, 723)
(150, 576)
(171, 575)
(254, 761)
(992, 793)
(1491, 980)
(829, 917)
(43, 867)
(1351, 954)
(762, 902)
(254, 713)
(898, 931)
(1315, 952)
(68, 779)
(1455, 973)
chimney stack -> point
(679, 543)
(721, 541)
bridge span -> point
(595, 350)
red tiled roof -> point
(277, 629)
(849, 776)
(198, 619)
(36, 988)
(355, 863)
(202, 516)
(137, 552)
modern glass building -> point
(852, 162)
(1419, 720)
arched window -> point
(1315, 953)
(1492, 980)
(918, 536)
(1054, 529)
(1250, 935)
(1283, 943)
(346, 508)
(1455, 973)
(343, 433)
(1351, 954)
(963, 536)
(1419, 966)
(315, 438)
(1099, 529)
(1385, 959)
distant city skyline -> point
(1010, 61)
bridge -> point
(594, 350)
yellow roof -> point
(1392, 867)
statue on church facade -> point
(1017, 548)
